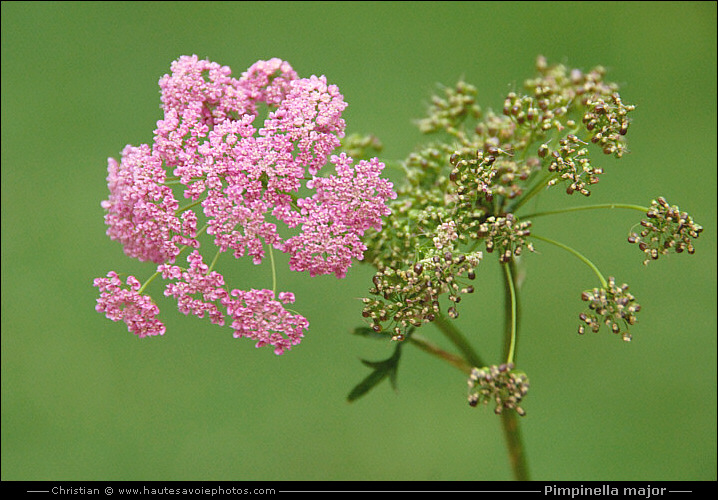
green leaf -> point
(381, 370)
(366, 385)
(365, 331)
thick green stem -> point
(457, 338)
(451, 358)
(509, 419)
(512, 433)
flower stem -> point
(433, 349)
(175, 179)
(274, 269)
(146, 283)
(458, 339)
(187, 207)
(214, 261)
(510, 424)
(534, 191)
(511, 312)
(512, 433)
(509, 420)
(197, 235)
(581, 257)
(587, 207)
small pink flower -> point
(141, 210)
(267, 81)
(204, 82)
(257, 315)
(310, 118)
(196, 291)
(118, 303)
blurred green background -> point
(84, 399)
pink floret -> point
(257, 315)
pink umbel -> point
(246, 178)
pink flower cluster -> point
(255, 314)
(141, 211)
(335, 218)
(196, 280)
(247, 177)
(127, 304)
